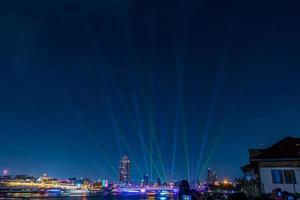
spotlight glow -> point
(5, 172)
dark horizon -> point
(186, 84)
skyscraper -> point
(211, 177)
(125, 170)
(146, 179)
(158, 181)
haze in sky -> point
(178, 86)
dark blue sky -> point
(186, 84)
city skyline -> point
(178, 86)
(124, 176)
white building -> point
(276, 167)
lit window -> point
(277, 176)
(289, 176)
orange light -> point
(225, 181)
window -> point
(283, 176)
(277, 176)
(289, 176)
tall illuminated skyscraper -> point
(125, 169)
(211, 177)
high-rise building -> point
(125, 170)
(158, 182)
(146, 179)
(211, 177)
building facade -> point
(211, 177)
(146, 179)
(276, 167)
(125, 169)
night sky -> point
(178, 86)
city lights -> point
(163, 99)
(5, 172)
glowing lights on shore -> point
(104, 183)
(143, 190)
(225, 181)
(5, 172)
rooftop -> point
(287, 148)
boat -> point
(77, 192)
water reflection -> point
(93, 198)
